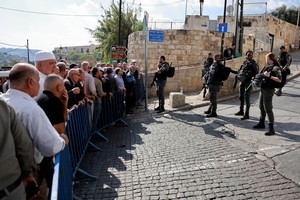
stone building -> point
(63, 52)
(188, 48)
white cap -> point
(43, 55)
(133, 61)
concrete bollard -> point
(176, 99)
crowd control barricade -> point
(62, 187)
(79, 132)
(112, 111)
(139, 90)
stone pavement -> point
(182, 155)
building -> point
(63, 52)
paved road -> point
(182, 155)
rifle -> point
(235, 82)
(205, 90)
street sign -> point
(118, 52)
(223, 27)
(156, 36)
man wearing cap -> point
(45, 63)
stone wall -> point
(189, 78)
(181, 47)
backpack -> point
(222, 73)
(171, 71)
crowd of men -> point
(34, 111)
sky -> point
(67, 21)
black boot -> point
(161, 109)
(208, 111)
(261, 124)
(241, 113)
(271, 130)
(246, 115)
(157, 108)
(213, 114)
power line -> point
(44, 13)
(13, 45)
(162, 4)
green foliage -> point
(287, 14)
(107, 32)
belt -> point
(10, 188)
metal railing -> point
(78, 130)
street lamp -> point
(201, 6)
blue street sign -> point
(156, 36)
(223, 27)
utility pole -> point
(28, 60)
(120, 18)
(224, 21)
(241, 28)
(201, 6)
(236, 21)
(185, 9)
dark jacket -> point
(213, 78)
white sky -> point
(45, 32)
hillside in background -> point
(11, 55)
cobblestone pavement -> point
(178, 155)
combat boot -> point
(241, 113)
(261, 124)
(246, 115)
(213, 114)
(208, 111)
(271, 130)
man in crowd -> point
(53, 101)
(97, 75)
(45, 63)
(73, 88)
(62, 69)
(89, 81)
(16, 156)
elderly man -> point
(97, 75)
(16, 155)
(45, 63)
(89, 80)
(53, 101)
(73, 87)
(24, 85)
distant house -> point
(63, 52)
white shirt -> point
(46, 139)
(90, 84)
(41, 81)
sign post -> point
(145, 27)
(118, 53)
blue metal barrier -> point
(78, 130)
(62, 187)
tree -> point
(287, 14)
(106, 33)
